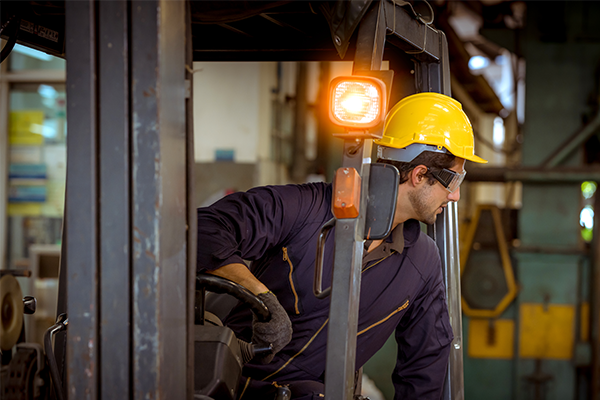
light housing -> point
(357, 102)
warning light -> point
(357, 102)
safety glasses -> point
(449, 179)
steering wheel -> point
(217, 284)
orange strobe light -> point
(346, 193)
(357, 102)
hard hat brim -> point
(476, 159)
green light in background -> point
(588, 189)
(587, 234)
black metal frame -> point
(115, 196)
(127, 208)
(81, 213)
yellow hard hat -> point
(431, 119)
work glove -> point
(276, 332)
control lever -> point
(249, 350)
(61, 324)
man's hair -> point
(428, 158)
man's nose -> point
(454, 196)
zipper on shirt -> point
(245, 387)
(381, 321)
(286, 258)
(290, 277)
(402, 307)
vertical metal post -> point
(340, 366)
(345, 287)
(114, 181)
(447, 240)
(455, 378)
(370, 42)
(436, 77)
(82, 213)
(127, 208)
(595, 306)
(159, 197)
(192, 216)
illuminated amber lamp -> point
(357, 103)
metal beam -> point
(576, 140)
(449, 245)
(192, 214)
(410, 35)
(34, 75)
(370, 42)
(446, 237)
(82, 211)
(159, 211)
(340, 365)
(595, 309)
(533, 174)
(434, 76)
(114, 181)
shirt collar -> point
(397, 239)
(394, 242)
(404, 235)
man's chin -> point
(430, 220)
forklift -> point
(131, 320)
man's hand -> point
(276, 332)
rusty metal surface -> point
(127, 214)
(82, 211)
(159, 210)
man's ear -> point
(417, 175)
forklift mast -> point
(432, 74)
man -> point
(427, 137)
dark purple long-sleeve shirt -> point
(277, 228)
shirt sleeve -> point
(245, 225)
(423, 346)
